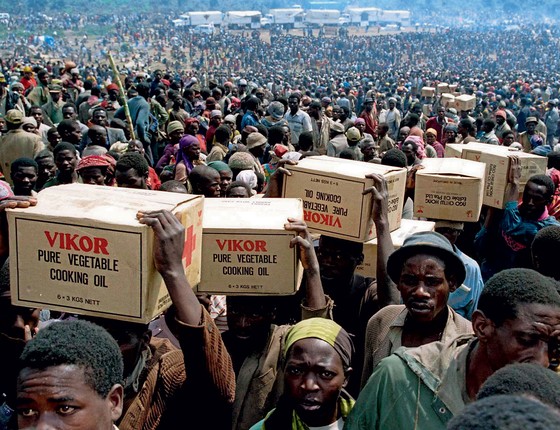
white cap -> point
(242, 82)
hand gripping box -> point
(331, 190)
(449, 189)
(498, 163)
(408, 227)
(81, 250)
(246, 248)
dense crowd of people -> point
(460, 329)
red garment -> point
(433, 123)
(153, 179)
(28, 83)
(371, 123)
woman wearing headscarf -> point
(316, 356)
(97, 170)
(192, 125)
(188, 156)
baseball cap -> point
(353, 134)
(14, 116)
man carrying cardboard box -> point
(161, 382)
(505, 239)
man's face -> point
(38, 115)
(313, 112)
(211, 185)
(93, 176)
(524, 339)
(193, 151)
(534, 201)
(403, 134)
(361, 126)
(24, 179)
(313, 378)
(68, 113)
(193, 128)
(247, 321)
(441, 113)
(335, 263)
(391, 104)
(424, 287)
(293, 104)
(226, 176)
(238, 192)
(47, 168)
(54, 138)
(55, 96)
(130, 179)
(176, 135)
(99, 117)
(430, 138)
(508, 139)
(368, 106)
(135, 146)
(531, 127)
(500, 120)
(410, 154)
(66, 161)
(369, 152)
(59, 398)
(75, 135)
(98, 136)
(337, 113)
(44, 79)
(216, 120)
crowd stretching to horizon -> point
(460, 329)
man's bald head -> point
(205, 180)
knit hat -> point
(254, 140)
(430, 243)
(241, 161)
(215, 113)
(431, 131)
(174, 126)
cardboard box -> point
(443, 88)
(448, 100)
(81, 250)
(454, 150)
(465, 102)
(246, 248)
(408, 227)
(498, 162)
(450, 189)
(428, 92)
(453, 88)
(331, 190)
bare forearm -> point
(315, 296)
(186, 304)
(387, 292)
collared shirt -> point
(415, 388)
(299, 122)
(384, 334)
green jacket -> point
(415, 388)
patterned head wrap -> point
(326, 330)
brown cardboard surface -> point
(407, 228)
(428, 91)
(497, 160)
(246, 248)
(465, 102)
(331, 190)
(453, 150)
(81, 250)
(448, 100)
(450, 189)
(443, 88)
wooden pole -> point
(117, 78)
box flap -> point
(250, 214)
(464, 98)
(453, 166)
(497, 150)
(352, 168)
(112, 205)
